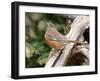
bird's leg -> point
(51, 54)
(54, 52)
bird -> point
(55, 39)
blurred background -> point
(37, 50)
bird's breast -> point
(54, 44)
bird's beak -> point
(50, 24)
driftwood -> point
(78, 27)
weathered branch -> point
(77, 28)
(52, 58)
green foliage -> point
(37, 50)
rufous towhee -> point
(55, 39)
